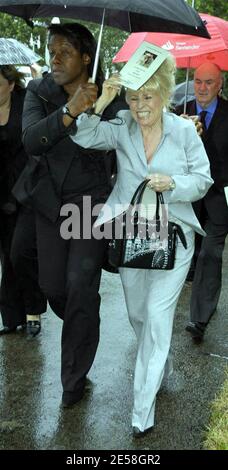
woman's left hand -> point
(159, 182)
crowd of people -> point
(61, 140)
(21, 299)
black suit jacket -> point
(13, 157)
(51, 152)
(216, 146)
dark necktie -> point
(202, 117)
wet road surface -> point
(31, 416)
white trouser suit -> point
(151, 298)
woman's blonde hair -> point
(162, 81)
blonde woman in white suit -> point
(165, 148)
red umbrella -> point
(189, 51)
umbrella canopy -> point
(14, 52)
(179, 93)
(143, 15)
(189, 51)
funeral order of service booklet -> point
(142, 65)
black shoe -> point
(33, 327)
(88, 385)
(197, 330)
(69, 399)
(6, 330)
(137, 433)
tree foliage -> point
(212, 7)
(17, 28)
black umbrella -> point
(136, 15)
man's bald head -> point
(207, 83)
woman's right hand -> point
(111, 87)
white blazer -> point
(180, 154)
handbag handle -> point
(137, 199)
(138, 194)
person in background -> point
(44, 70)
(19, 295)
(36, 71)
(62, 173)
(165, 149)
(212, 210)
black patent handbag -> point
(141, 242)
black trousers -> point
(23, 257)
(201, 215)
(207, 281)
(70, 272)
(11, 302)
(19, 292)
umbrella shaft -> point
(96, 60)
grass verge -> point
(217, 432)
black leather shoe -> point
(197, 330)
(69, 399)
(137, 433)
(6, 330)
(33, 327)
